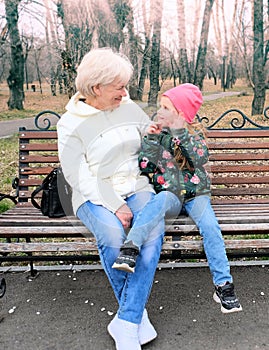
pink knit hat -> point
(186, 98)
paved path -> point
(68, 310)
(8, 128)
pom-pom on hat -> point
(186, 98)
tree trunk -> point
(15, 79)
(258, 60)
(133, 54)
(51, 46)
(146, 52)
(183, 58)
(154, 70)
(201, 56)
(67, 61)
(144, 68)
(155, 55)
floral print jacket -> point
(157, 160)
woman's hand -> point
(125, 215)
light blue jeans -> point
(201, 212)
(203, 215)
(131, 289)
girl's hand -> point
(155, 128)
(125, 215)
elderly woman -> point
(99, 142)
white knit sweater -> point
(98, 152)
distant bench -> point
(239, 165)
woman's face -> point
(109, 96)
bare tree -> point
(242, 44)
(183, 57)
(259, 59)
(146, 51)
(155, 53)
(68, 62)
(197, 10)
(200, 62)
(52, 45)
(16, 74)
(133, 50)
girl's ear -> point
(181, 114)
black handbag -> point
(56, 200)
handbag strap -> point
(44, 184)
(33, 194)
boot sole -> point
(223, 309)
(123, 267)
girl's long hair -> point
(194, 128)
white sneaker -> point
(146, 331)
(124, 333)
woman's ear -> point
(96, 90)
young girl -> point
(173, 154)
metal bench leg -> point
(33, 272)
(3, 287)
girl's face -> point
(167, 114)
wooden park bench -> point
(239, 165)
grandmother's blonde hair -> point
(102, 66)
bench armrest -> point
(8, 196)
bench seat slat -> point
(25, 220)
(88, 246)
(77, 231)
(230, 244)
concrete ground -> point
(70, 310)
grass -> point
(8, 168)
(35, 102)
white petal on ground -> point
(12, 310)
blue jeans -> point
(200, 210)
(131, 290)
